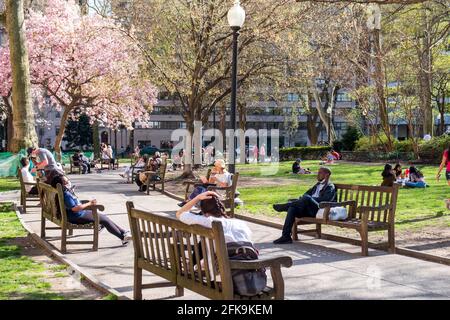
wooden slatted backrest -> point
(230, 194)
(162, 168)
(22, 185)
(370, 196)
(192, 256)
(52, 202)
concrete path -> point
(322, 269)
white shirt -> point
(27, 177)
(223, 178)
(319, 188)
(234, 230)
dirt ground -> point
(430, 240)
(64, 282)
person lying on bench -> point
(77, 213)
(307, 205)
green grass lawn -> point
(20, 276)
(416, 208)
(8, 184)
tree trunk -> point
(187, 172)
(23, 113)
(311, 128)
(424, 70)
(380, 88)
(323, 115)
(60, 135)
(9, 123)
(96, 140)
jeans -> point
(304, 207)
(85, 167)
(88, 217)
(198, 190)
(419, 184)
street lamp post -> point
(236, 18)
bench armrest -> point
(148, 172)
(185, 183)
(29, 183)
(261, 263)
(96, 207)
(212, 188)
(336, 204)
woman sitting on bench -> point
(77, 213)
(212, 209)
(219, 176)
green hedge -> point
(305, 153)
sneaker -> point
(126, 237)
(281, 207)
(101, 228)
(181, 204)
(283, 240)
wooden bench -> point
(54, 210)
(171, 249)
(370, 208)
(73, 165)
(108, 163)
(230, 191)
(161, 173)
(24, 195)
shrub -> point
(349, 138)
(305, 153)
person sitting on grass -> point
(416, 179)
(77, 213)
(398, 171)
(388, 176)
(307, 205)
(27, 177)
(329, 159)
(297, 168)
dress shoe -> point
(280, 207)
(283, 240)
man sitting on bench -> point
(307, 205)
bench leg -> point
(95, 245)
(179, 291)
(319, 230)
(24, 205)
(64, 240)
(364, 240)
(137, 292)
(295, 231)
(42, 227)
(391, 239)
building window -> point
(41, 132)
(56, 130)
(292, 97)
(343, 97)
(154, 124)
(58, 115)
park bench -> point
(24, 195)
(74, 165)
(108, 164)
(370, 208)
(230, 191)
(161, 173)
(171, 249)
(135, 170)
(54, 210)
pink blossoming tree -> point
(83, 62)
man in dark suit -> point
(307, 205)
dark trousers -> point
(304, 207)
(88, 217)
(85, 167)
(33, 190)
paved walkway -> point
(322, 269)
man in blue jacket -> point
(307, 205)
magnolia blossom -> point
(85, 63)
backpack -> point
(246, 282)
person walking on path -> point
(255, 153)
